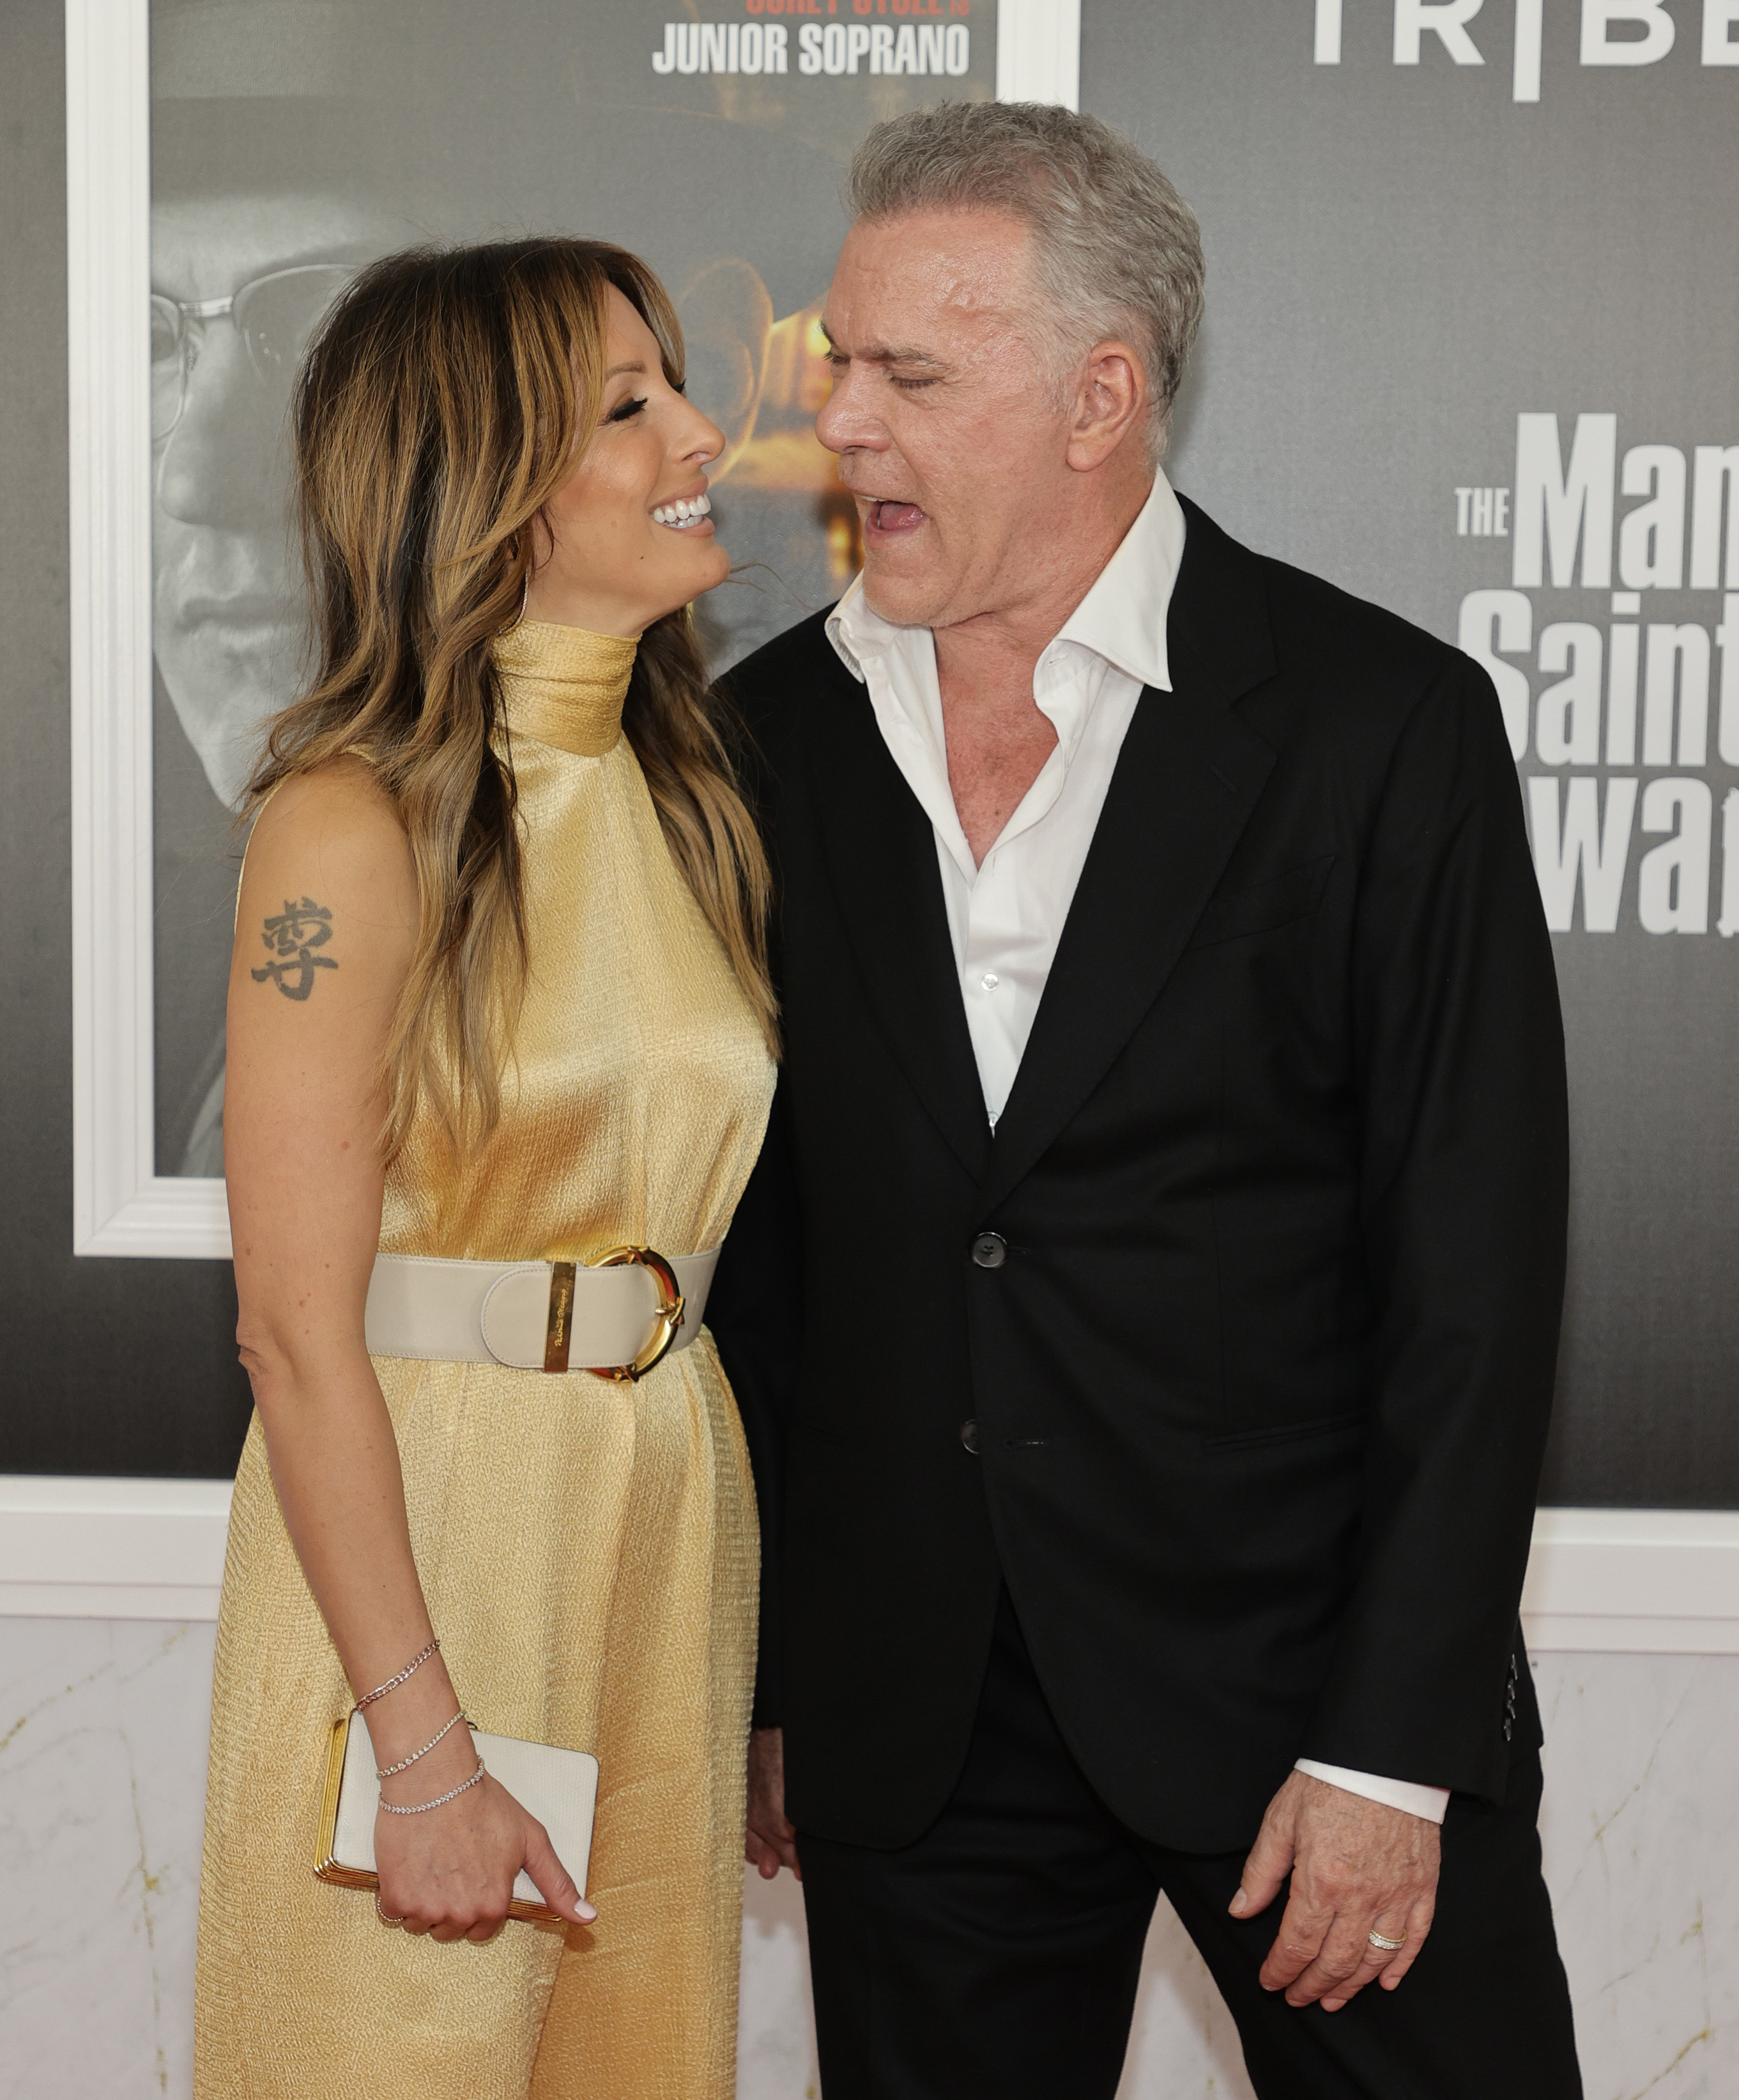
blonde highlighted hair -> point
(445, 398)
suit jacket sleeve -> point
(1464, 1194)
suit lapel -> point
(880, 852)
(1186, 781)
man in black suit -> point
(1144, 1312)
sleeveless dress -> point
(588, 1549)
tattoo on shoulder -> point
(293, 937)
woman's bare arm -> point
(322, 939)
(324, 932)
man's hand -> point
(1356, 1866)
(771, 1842)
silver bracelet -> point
(422, 1807)
(404, 1764)
(392, 1684)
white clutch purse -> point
(558, 1787)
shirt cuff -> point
(1428, 1802)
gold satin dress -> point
(588, 1549)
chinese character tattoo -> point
(293, 937)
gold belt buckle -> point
(558, 1332)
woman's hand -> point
(449, 1873)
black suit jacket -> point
(1261, 1388)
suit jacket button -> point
(990, 1250)
(969, 1436)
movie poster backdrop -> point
(1473, 302)
(291, 141)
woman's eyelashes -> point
(628, 409)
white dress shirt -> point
(1006, 915)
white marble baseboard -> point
(1608, 1581)
(102, 1729)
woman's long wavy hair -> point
(446, 397)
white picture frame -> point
(122, 1205)
(1039, 51)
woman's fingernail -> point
(1240, 1903)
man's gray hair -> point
(1116, 251)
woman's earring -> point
(525, 594)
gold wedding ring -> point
(1385, 1946)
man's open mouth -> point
(887, 516)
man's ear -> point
(1112, 402)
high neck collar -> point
(565, 686)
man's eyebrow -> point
(890, 353)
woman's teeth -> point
(686, 511)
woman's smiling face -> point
(626, 538)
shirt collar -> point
(858, 631)
(1122, 619)
(1122, 616)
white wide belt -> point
(616, 1316)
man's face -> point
(950, 434)
(228, 619)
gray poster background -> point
(1401, 260)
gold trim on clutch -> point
(326, 1868)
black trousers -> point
(996, 1959)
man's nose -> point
(225, 463)
(844, 423)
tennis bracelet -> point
(422, 1807)
(404, 1764)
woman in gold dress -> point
(499, 995)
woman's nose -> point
(225, 462)
(705, 441)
